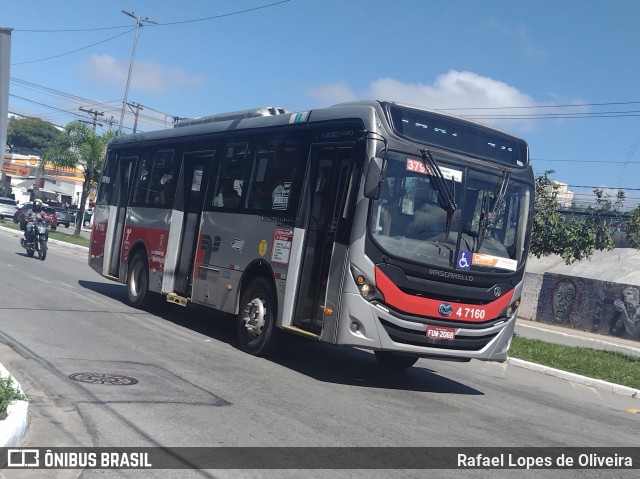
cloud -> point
(332, 93)
(147, 75)
(461, 93)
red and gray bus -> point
(371, 224)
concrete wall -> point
(602, 307)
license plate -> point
(440, 332)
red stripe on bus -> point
(408, 303)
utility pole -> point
(139, 23)
(95, 114)
(111, 121)
(138, 107)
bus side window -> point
(141, 190)
(162, 184)
(108, 180)
(232, 178)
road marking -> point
(633, 410)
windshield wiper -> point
(490, 211)
(446, 198)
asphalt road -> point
(195, 388)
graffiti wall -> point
(612, 309)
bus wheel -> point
(138, 282)
(257, 331)
(394, 360)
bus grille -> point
(418, 338)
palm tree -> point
(81, 148)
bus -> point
(372, 224)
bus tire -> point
(257, 332)
(138, 294)
(392, 360)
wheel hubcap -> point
(254, 316)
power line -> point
(74, 51)
(605, 187)
(224, 14)
(47, 106)
(68, 30)
(80, 101)
(159, 24)
(554, 116)
(158, 121)
(239, 12)
(587, 161)
(576, 105)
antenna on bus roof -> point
(233, 115)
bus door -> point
(117, 215)
(185, 222)
(329, 178)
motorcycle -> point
(39, 238)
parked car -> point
(8, 207)
(49, 215)
(62, 214)
(88, 216)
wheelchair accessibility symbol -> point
(464, 260)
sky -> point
(562, 74)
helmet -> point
(37, 205)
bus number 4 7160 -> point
(470, 313)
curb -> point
(13, 429)
(576, 378)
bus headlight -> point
(367, 288)
(512, 309)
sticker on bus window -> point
(280, 196)
(464, 260)
(491, 261)
(281, 250)
(419, 166)
(262, 248)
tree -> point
(573, 237)
(79, 147)
(31, 133)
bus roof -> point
(276, 116)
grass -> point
(611, 366)
(9, 393)
(56, 235)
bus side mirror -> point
(374, 178)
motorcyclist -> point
(33, 216)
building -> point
(562, 193)
(22, 181)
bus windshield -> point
(486, 233)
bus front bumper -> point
(372, 326)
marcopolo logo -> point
(445, 309)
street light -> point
(139, 22)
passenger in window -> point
(259, 197)
(428, 220)
(227, 196)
